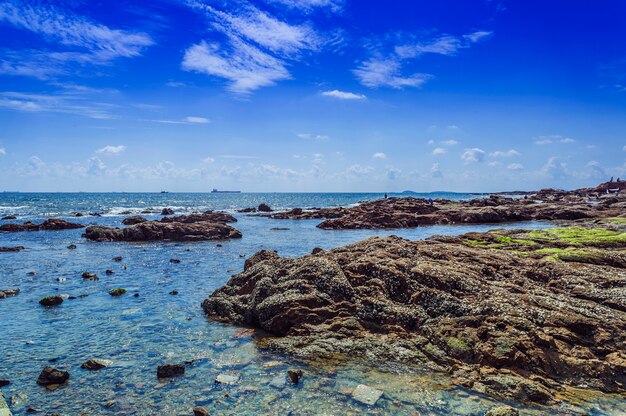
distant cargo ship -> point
(215, 191)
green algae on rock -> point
(493, 310)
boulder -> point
(295, 376)
(167, 211)
(170, 370)
(137, 219)
(264, 208)
(200, 411)
(95, 364)
(117, 292)
(6, 293)
(51, 300)
(50, 375)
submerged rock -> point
(48, 225)
(51, 300)
(89, 276)
(9, 217)
(295, 376)
(95, 364)
(170, 370)
(511, 324)
(227, 379)
(200, 411)
(51, 375)
(117, 292)
(6, 293)
(167, 211)
(366, 395)
(503, 411)
(72, 247)
(11, 249)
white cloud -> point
(87, 42)
(199, 120)
(555, 169)
(393, 173)
(379, 155)
(439, 151)
(377, 73)
(505, 153)
(246, 67)
(450, 142)
(515, 166)
(243, 157)
(435, 171)
(208, 160)
(257, 48)
(343, 95)
(112, 150)
(309, 136)
(386, 68)
(359, 171)
(543, 140)
(473, 155)
(309, 5)
(3, 151)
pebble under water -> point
(140, 333)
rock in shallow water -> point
(50, 375)
(227, 379)
(507, 325)
(366, 394)
(48, 225)
(170, 370)
(51, 300)
(96, 364)
(200, 411)
(163, 231)
(503, 411)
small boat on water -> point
(216, 191)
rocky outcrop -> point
(11, 249)
(164, 231)
(208, 216)
(170, 370)
(51, 300)
(167, 211)
(499, 312)
(264, 208)
(7, 293)
(136, 219)
(52, 224)
(414, 212)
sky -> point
(311, 95)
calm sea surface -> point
(140, 333)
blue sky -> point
(311, 95)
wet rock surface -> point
(170, 370)
(50, 375)
(96, 364)
(51, 300)
(52, 224)
(137, 219)
(414, 212)
(194, 227)
(11, 249)
(7, 293)
(518, 315)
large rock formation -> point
(414, 212)
(194, 227)
(51, 224)
(517, 315)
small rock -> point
(51, 300)
(6, 293)
(9, 217)
(32, 409)
(136, 295)
(264, 208)
(72, 247)
(96, 364)
(227, 379)
(110, 404)
(117, 292)
(200, 411)
(18, 399)
(175, 261)
(174, 292)
(4, 383)
(11, 249)
(50, 375)
(317, 250)
(503, 411)
(89, 276)
(31, 273)
(295, 376)
(118, 258)
(170, 370)
(108, 272)
(167, 211)
(366, 394)
(279, 229)
(278, 381)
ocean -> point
(140, 333)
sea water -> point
(141, 333)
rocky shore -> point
(52, 224)
(389, 213)
(194, 227)
(519, 315)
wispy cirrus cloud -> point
(386, 68)
(56, 103)
(256, 50)
(81, 41)
(310, 5)
(554, 138)
(343, 95)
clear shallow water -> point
(139, 334)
